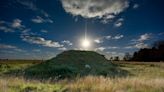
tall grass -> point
(142, 78)
(129, 84)
(85, 84)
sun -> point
(85, 44)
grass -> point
(142, 78)
(72, 63)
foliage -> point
(156, 53)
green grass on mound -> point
(70, 64)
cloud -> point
(62, 48)
(129, 47)
(6, 46)
(36, 50)
(141, 45)
(118, 37)
(140, 42)
(104, 9)
(113, 54)
(17, 23)
(144, 37)
(119, 22)
(6, 29)
(11, 26)
(106, 48)
(39, 19)
(67, 42)
(44, 31)
(100, 49)
(108, 37)
(135, 6)
(41, 41)
(98, 41)
(112, 47)
(30, 5)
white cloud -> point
(39, 19)
(98, 41)
(6, 29)
(141, 45)
(44, 31)
(144, 37)
(108, 37)
(119, 22)
(41, 41)
(135, 6)
(36, 50)
(17, 23)
(118, 37)
(140, 42)
(100, 49)
(5, 46)
(62, 48)
(11, 26)
(112, 47)
(29, 4)
(67, 42)
(129, 47)
(106, 48)
(104, 9)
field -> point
(142, 77)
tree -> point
(127, 57)
(116, 58)
(111, 58)
(156, 53)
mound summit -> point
(74, 63)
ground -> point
(143, 77)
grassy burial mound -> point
(74, 63)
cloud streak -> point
(39, 19)
(41, 41)
(109, 37)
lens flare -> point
(86, 44)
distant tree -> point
(111, 58)
(127, 57)
(116, 58)
(156, 53)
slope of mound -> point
(74, 63)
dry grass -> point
(86, 84)
(101, 84)
(144, 78)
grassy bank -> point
(141, 78)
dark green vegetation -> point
(155, 53)
(71, 64)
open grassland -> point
(147, 77)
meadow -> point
(142, 77)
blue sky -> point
(39, 29)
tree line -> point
(154, 54)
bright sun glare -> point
(86, 43)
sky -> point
(41, 29)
